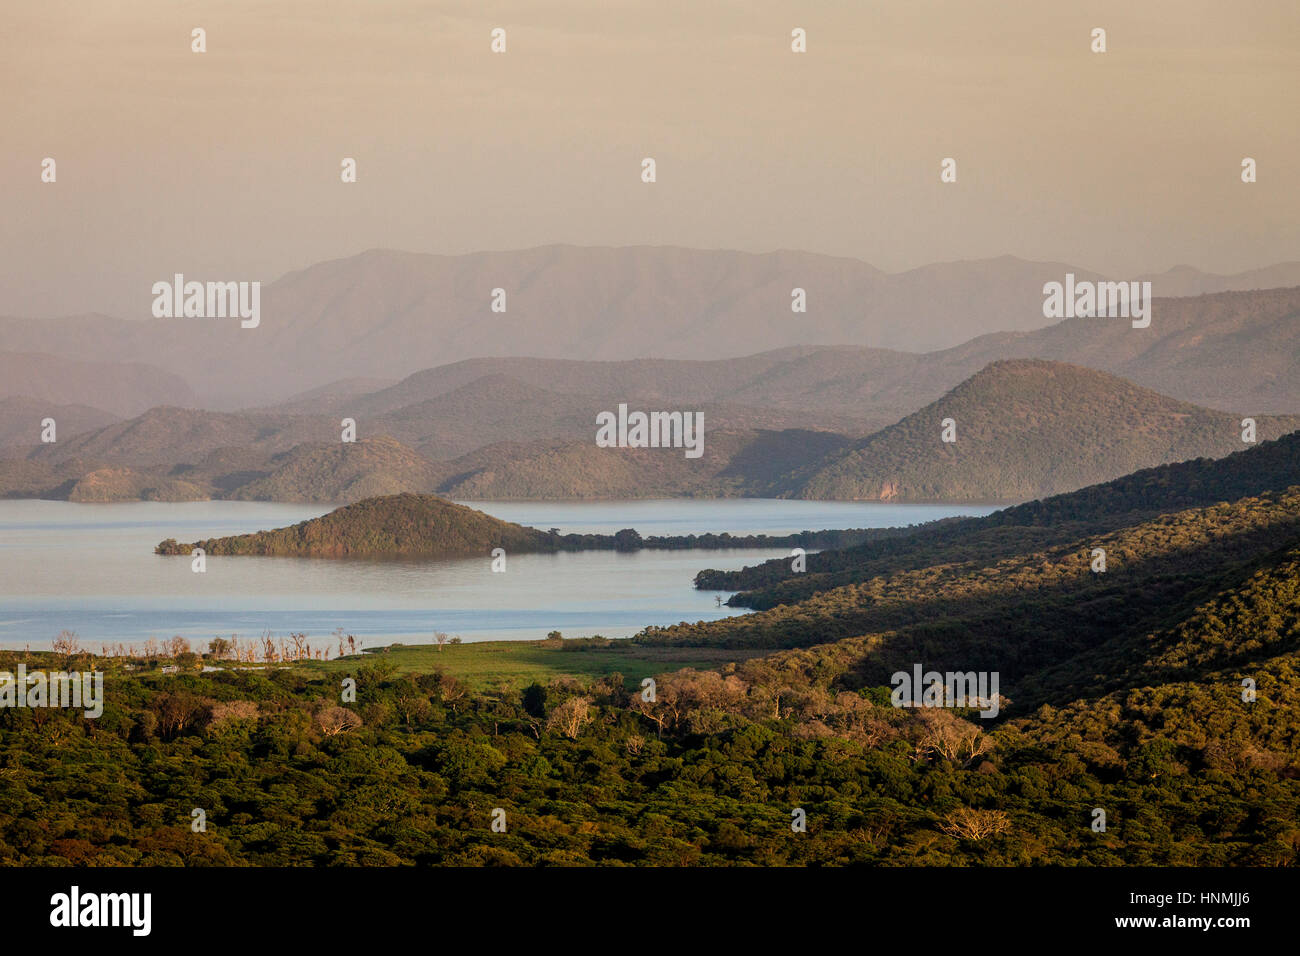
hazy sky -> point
(226, 164)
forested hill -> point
(1024, 429)
(1182, 597)
(427, 526)
(1182, 588)
(1268, 466)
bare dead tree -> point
(67, 643)
(571, 716)
(945, 735)
(333, 721)
(971, 824)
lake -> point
(90, 568)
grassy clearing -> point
(490, 664)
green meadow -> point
(491, 665)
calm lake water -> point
(91, 569)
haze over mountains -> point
(1026, 428)
(839, 420)
(121, 388)
(386, 314)
(1236, 351)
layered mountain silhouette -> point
(1024, 429)
(1235, 351)
(840, 420)
(386, 314)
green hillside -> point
(1096, 509)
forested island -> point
(429, 526)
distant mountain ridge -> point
(1025, 429)
(21, 420)
(121, 388)
(386, 314)
(521, 426)
(1235, 351)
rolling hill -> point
(1235, 351)
(749, 463)
(122, 388)
(21, 417)
(125, 484)
(1027, 429)
(516, 427)
(175, 436)
(342, 472)
(23, 478)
